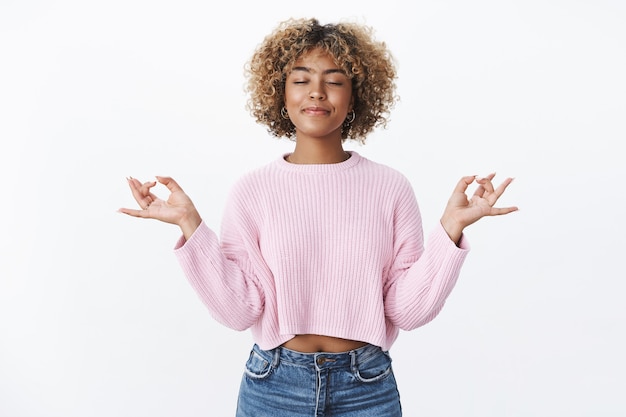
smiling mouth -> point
(316, 111)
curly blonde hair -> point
(367, 62)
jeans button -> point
(321, 360)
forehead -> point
(315, 58)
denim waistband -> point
(320, 359)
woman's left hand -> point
(460, 211)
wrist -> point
(189, 223)
(453, 229)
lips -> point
(316, 111)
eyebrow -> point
(328, 71)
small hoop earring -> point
(350, 118)
(283, 113)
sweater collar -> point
(354, 159)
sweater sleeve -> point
(421, 277)
(221, 272)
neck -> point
(317, 156)
(318, 152)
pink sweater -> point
(332, 249)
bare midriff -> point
(311, 343)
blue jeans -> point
(284, 383)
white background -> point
(96, 318)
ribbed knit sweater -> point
(328, 249)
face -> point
(318, 96)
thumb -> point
(169, 183)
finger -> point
(484, 190)
(148, 196)
(169, 183)
(146, 187)
(500, 190)
(145, 205)
(486, 183)
(141, 192)
(497, 193)
(480, 191)
(143, 188)
(135, 213)
(463, 183)
(498, 211)
(135, 188)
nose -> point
(317, 91)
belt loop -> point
(353, 362)
(276, 360)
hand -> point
(460, 211)
(177, 209)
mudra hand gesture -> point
(177, 209)
(462, 211)
(459, 213)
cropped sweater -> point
(328, 249)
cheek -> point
(345, 97)
(346, 101)
(291, 96)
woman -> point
(321, 252)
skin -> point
(318, 98)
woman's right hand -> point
(177, 209)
